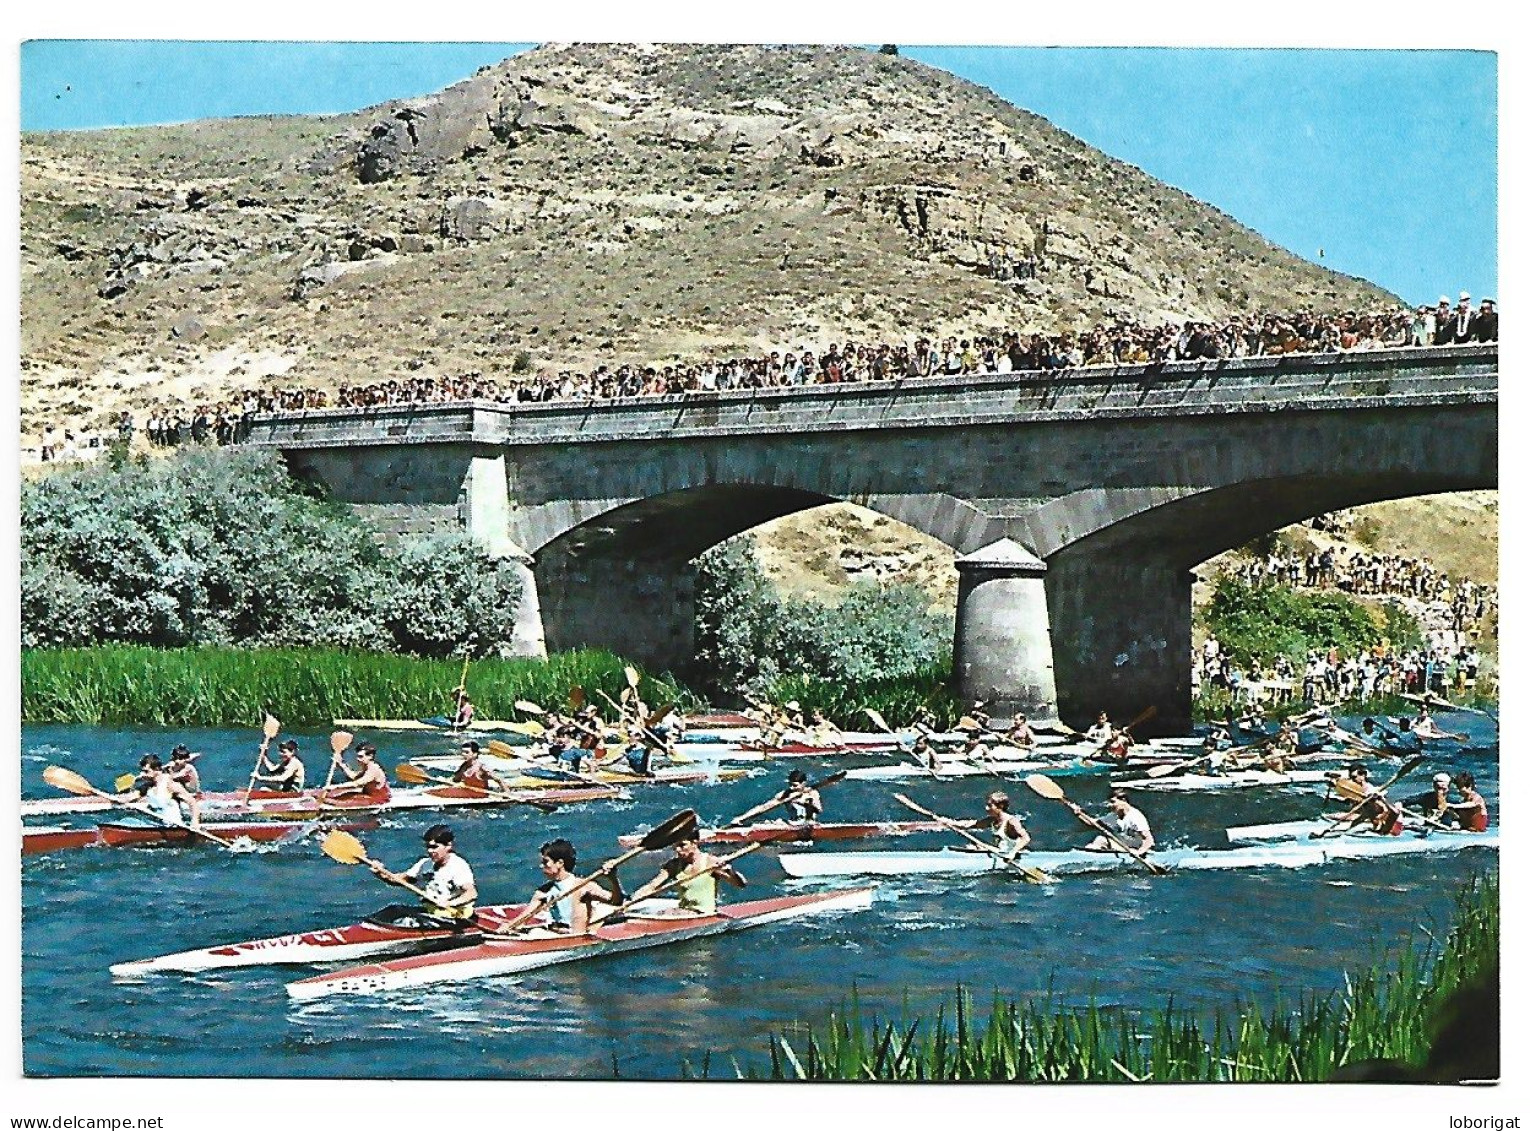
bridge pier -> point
(1121, 638)
(641, 608)
(1003, 650)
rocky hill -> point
(585, 204)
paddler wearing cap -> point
(450, 889)
(697, 890)
(1436, 803)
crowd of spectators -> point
(1123, 342)
(1330, 677)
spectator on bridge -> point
(1485, 325)
(1461, 321)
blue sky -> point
(1385, 162)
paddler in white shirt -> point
(449, 887)
(568, 911)
(1010, 835)
(163, 795)
(1101, 731)
(1127, 822)
(697, 890)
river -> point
(1206, 939)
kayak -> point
(953, 769)
(1305, 830)
(124, 834)
(514, 955)
(330, 944)
(60, 806)
(1296, 854)
(769, 832)
(1237, 779)
(436, 723)
(522, 774)
(432, 797)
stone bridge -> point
(1078, 500)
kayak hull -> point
(1297, 854)
(513, 955)
(781, 832)
(1238, 779)
(330, 944)
(125, 835)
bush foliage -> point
(1271, 620)
(750, 639)
(220, 547)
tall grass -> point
(1389, 1013)
(234, 686)
(898, 699)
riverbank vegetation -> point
(1427, 1013)
(218, 546)
(213, 686)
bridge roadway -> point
(1077, 500)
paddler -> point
(471, 771)
(823, 732)
(568, 911)
(1434, 805)
(1010, 835)
(1374, 733)
(1471, 812)
(803, 805)
(1118, 747)
(1282, 749)
(1020, 734)
(1101, 732)
(450, 889)
(1376, 813)
(367, 780)
(462, 717)
(162, 795)
(181, 770)
(698, 887)
(287, 772)
(1127, 822)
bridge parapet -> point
(1283, 383)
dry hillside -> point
(582, 204)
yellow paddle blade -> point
(529, 707)
(342, 847)
(632, 676)
(502, 749)
(411, 774)
(1349, 789)
(1045, 786)
(124, 782)
(67, 780)
(272, 726)
(340, 740)
(877, 720)
(967, 722)
(531, 728)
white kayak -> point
(1307, 830)
(954, 768)
(1297, 854)
(516, 954)
(1237, 779)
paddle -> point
(124, 782)
(270, 730)
(675, 829)
(71, 782)
(876, 717)
(667, 885)
(411, 774)
(505, 750)
(838, 776)
(1032, 875)
(343, 848)
(1346, 788)
(1048, 788)
(338, 742)
(529, 707)
(1175, 767)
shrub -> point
(1270, 620)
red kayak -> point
(331, 944)
(769, 832)
(124, 835)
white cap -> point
(1442, 779)
(1466, 296)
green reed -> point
(1388, 1013)
(216, 686)
(898, 700)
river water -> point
(1208, 939)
